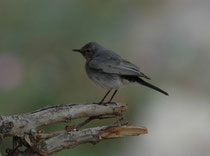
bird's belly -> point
(109, 81)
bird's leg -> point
(104, 97)
(113, 96)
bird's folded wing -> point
(116, 66)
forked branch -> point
(26, 127)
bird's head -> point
(89, 50)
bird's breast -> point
(105, 80)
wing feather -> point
(115, 66)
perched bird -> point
(109, 70)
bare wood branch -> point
(18, 125)
(25, 128)
(90, 135)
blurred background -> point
(169, 40)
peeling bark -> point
(90, 135)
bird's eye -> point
(88, 50)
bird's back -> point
(107, 54)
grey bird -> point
(109, 70)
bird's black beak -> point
(77, 50)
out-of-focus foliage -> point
(168, 40)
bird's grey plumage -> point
(114, 65)
(111, 71)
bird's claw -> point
(104, 103)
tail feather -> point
(144, 83)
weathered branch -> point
(26, 126)
(90, 135)
(18, 125)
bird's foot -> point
(104, 103)
(113, 103)
(98, 103)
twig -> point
(93, 118)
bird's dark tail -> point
(144, 83)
